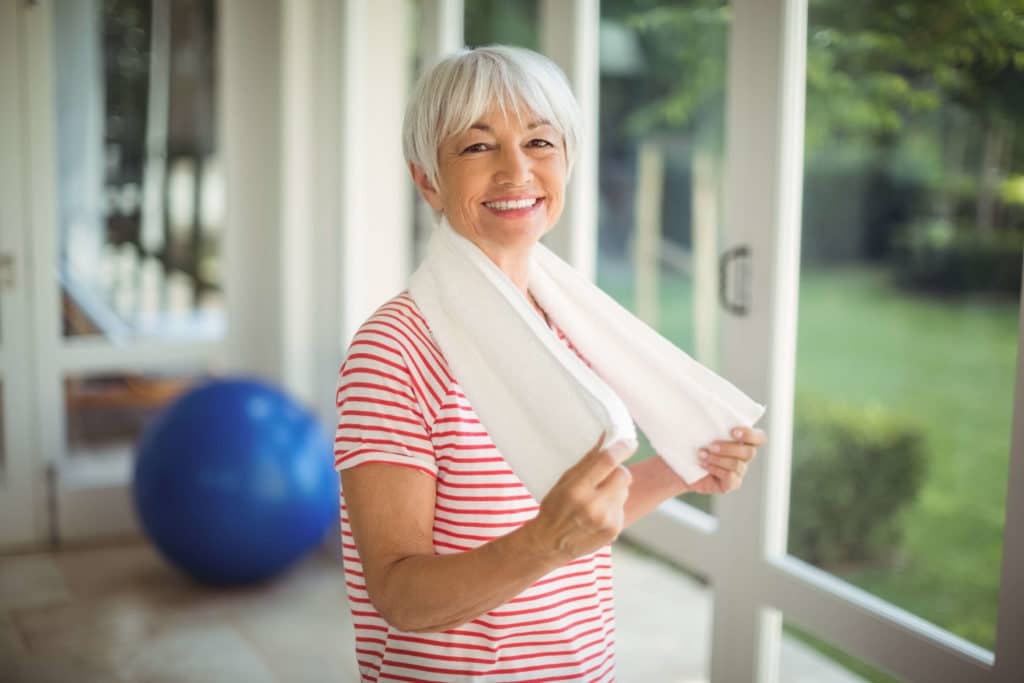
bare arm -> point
(412, 588)
(391, 511)
(653, 482)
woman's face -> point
(502, 181)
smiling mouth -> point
(514, 204)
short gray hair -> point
(456, 91)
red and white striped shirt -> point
(398, 403)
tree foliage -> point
(872, 66)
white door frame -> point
(23, 501)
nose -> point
(514, 166)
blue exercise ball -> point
(234, 481)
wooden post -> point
(647, 233)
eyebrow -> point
(535, 124)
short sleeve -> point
(380, 418)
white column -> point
(569, 36)
(442, 25)
(300, 294)
(375, 216)
(345, 236)
(250, 119)
(442, 28)
(326, 264)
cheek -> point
(558, 169)
(556, 186)
(458, 188)
(469, 185)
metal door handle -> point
(739, 301)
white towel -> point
(541, 405)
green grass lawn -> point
(947, 363)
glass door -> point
(909, 300)
(661, 162)
(872, 167)
(128, 264)
(868, 248)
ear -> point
(423, 184)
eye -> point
(543, 143)
(478, 147)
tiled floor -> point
(119, 613)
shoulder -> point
(398, 326)
(395, 340)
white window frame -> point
(24, 522)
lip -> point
(514, 197)
(515, 213)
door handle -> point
(734, 294)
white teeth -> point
(514, 204)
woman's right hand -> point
(584, 509)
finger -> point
(596, 464)
(576, 471)
(593, 453)
(727, 478)
(733, 464)
(749, 435)
(617, 480)
(731, 449)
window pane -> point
(661, 152)
(807, 658)
(140, 191)
(509, 22)
(108, 412)
(913, 222)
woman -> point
(454, 571)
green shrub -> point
(935, 256)
(854, 469)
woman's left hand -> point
(728, 465)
